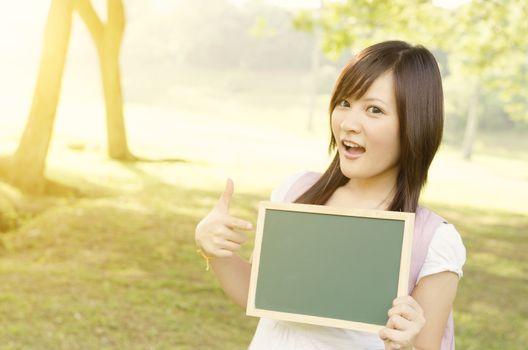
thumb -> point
(225, 199)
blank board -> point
(329, 266)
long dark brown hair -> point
(420, 107)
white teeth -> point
(350, 144)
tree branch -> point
(85, 9)
(116, 17)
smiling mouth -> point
(353, 148)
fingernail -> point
(249, 225)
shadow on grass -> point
(118, 271)
(121, 271)
(491, 305)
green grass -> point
(491, 310)
(117, 267)
(119, 270)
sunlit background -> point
(99, 252)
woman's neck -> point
(375, 192)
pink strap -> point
(425, 225)
(301, 185)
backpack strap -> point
(425, 225)
(300, 186)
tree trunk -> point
(472, 122)
(116, 132)
(314, 72)
(26, 167)
(111, 76)
(107, 39)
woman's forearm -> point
(233, 273)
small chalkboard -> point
(329, 266)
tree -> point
(25, 169)
(489, 44)
(107, 38)
(354, 24)
(486, 38)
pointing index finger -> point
(225, 199)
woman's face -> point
(371, 125)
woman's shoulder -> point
(446, 252)
(442, 227)
(428, 216)
(279, 192)
(447, 236)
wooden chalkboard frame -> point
(403, 278)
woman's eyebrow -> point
(375, 99)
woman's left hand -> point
(406, 320)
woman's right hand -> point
(215, 233)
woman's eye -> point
(344, 103)
(374, 110)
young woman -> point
(386, 118)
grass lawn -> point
(117, 267)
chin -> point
(348, 172)
(355, 171)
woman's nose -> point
(351, 122)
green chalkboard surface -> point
(329, 266)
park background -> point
(99, 201)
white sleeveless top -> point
(446, 253)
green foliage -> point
(486, 38)
(359, 23)
(492, 116)
(304, 21)
(490, 41)
(261, 29)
